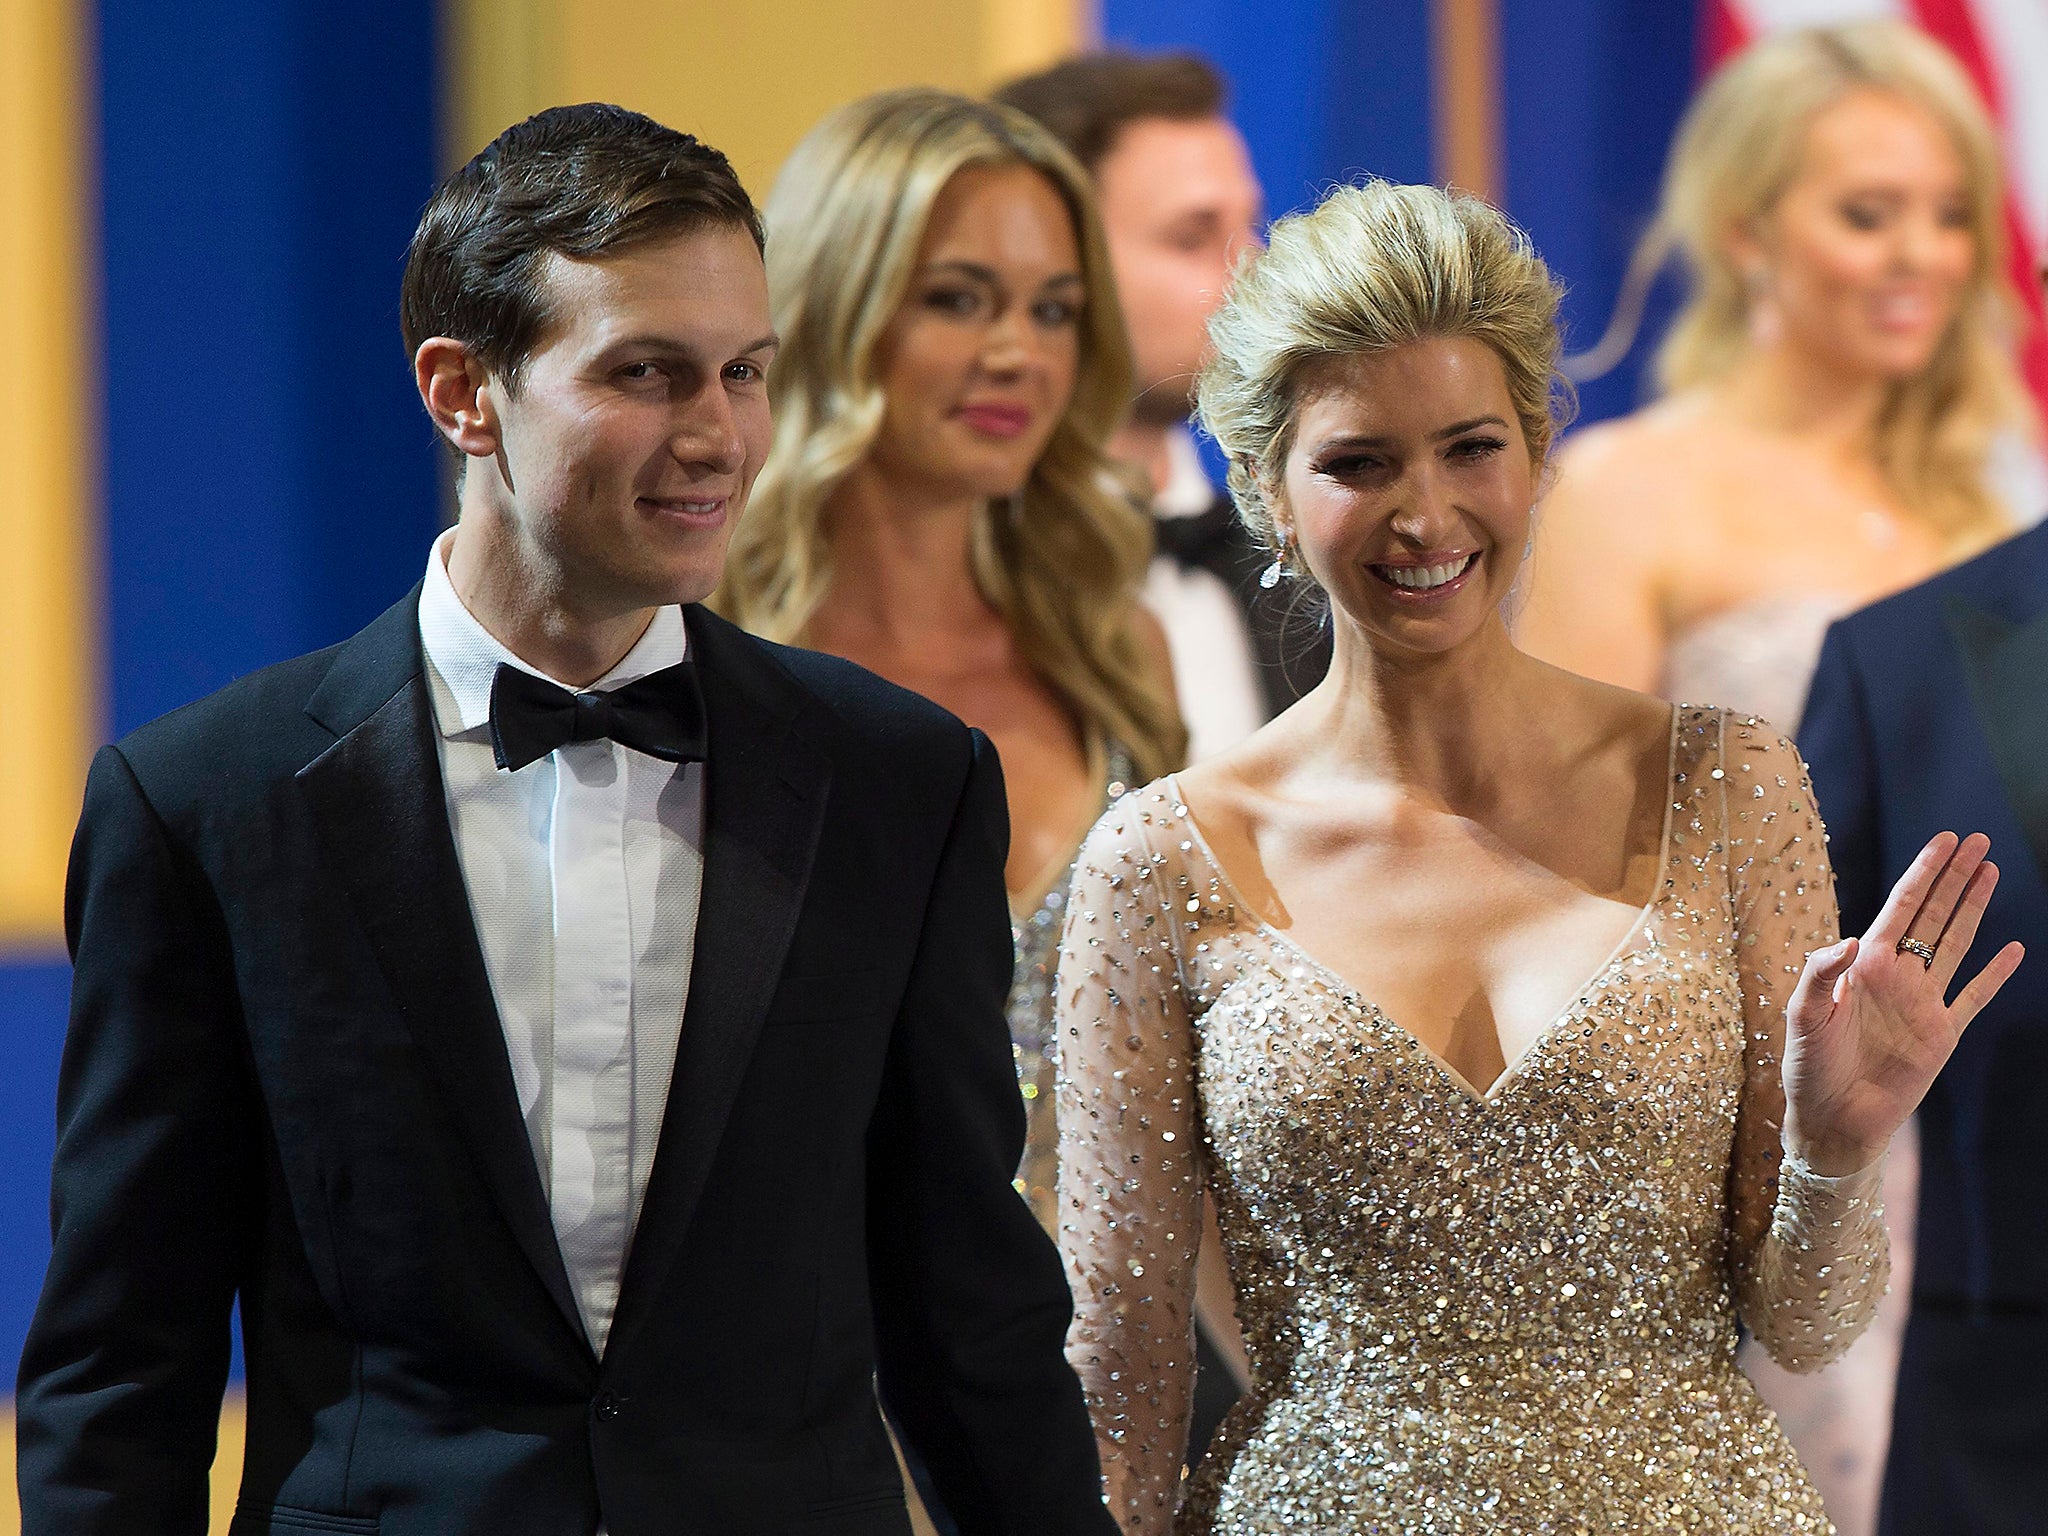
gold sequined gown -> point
(1505, 1312)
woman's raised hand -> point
(1867, 1028)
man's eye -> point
(637, 371)
(743, 373)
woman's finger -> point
(1932, 919)
(1984, 986)
(1955, 941)
(1911, 893)
(1813, 997)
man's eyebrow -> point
(655, 341)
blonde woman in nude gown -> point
(1502, 1011)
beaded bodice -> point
(1512, 1311)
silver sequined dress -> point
(1510, 1312)
(1035, 930)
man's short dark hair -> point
(1088, 101)
(571, 181)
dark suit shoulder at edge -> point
(210, 735)
(874, 711)
(2012, 573)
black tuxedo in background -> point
(285, 1082)
(1929, 713)
(1290, 640)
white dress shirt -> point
(1214, 674)
(584, 870)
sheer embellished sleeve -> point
(1130, 1176)
(1809, 1255)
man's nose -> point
(708, 432)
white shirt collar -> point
(467, 656)
(1188, 491)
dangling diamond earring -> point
(1269, 578)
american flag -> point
(2004, 46)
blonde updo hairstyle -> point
(1374, 266)
(1740, 146)
(1061, 561)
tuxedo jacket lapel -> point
(377, 798)
(764, 806)
(2006, 665)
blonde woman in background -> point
(937, 504)
(1502, 1010)
(1832, 391)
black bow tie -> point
(1192, 541)
(662, 715)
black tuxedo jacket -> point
(1289, 633)
(1930, 712)
(284, 1083)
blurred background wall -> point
(210, 453)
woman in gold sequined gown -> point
(1502, 1011)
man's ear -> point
(459, 394)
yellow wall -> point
(47, 719)
(750, 79)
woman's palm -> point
(1868, 1029)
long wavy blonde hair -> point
(1737, 150)
(1061, 561)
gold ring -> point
(1921, 948)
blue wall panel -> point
(1325, 90)
(1592, 90)
(269, 480)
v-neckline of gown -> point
(1513, 1071)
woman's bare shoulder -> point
(1657, 446)
(1603, 716)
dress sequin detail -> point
(1509, 1312)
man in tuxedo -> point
(1930, 711)
(570, 1028)
(1179, 204)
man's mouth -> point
(691, 508)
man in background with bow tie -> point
(571, 1029)
(1180, 204)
